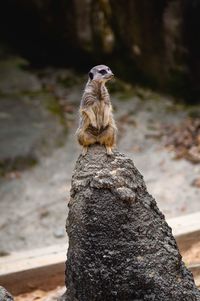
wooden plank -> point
(44, 268)
(195, 269)
(185, 224)
(186, 230)
(45, 278)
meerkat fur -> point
(96, 123)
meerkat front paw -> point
(84, 151)
(109, 151)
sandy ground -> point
(33, 201)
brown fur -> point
(96, 120)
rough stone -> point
(29, 127)
(120, 246)
(5, 295)
(20, 81)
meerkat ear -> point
(91, 75)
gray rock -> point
(13, 79)
(27, 130)
(5, 295)
(59, 232)
(120, 246)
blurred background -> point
(46, 50)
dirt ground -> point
(41, 295)
(38, 120)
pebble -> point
(59, 232)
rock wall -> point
(154, 42)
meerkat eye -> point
(102, 71)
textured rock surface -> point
(30, 124)
(5, 295)
(120, 247)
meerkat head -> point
(101, 73)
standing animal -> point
(96, 119)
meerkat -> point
(97, 124)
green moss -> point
(54, 107)
(175, 107)
(17, 164)
(178, 104)
(118, 85)
(68, 78)
(68, 82)
(145, 93)
(51, 103)
(126, 95)
(14, 62)
(178, 83)
(21, 94)
(123, 89)
(126, 91)
(194, 113)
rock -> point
(13, 79)
(120, 246)
(5, 295)
(27, 131)
(30, 124)
(59, 232)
